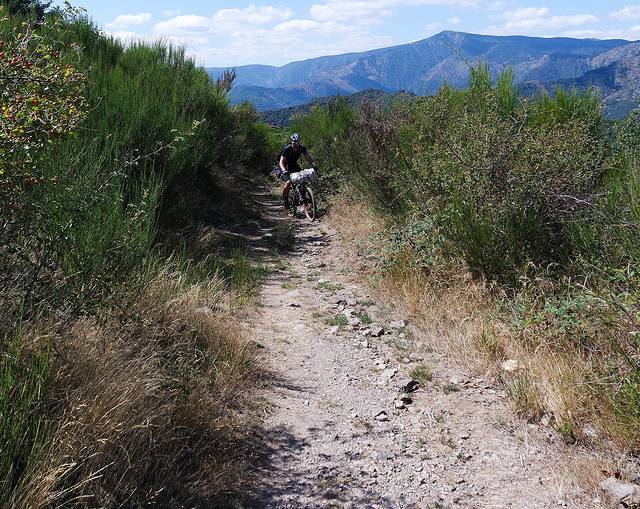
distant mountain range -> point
(422, 67)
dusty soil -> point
(336, 434)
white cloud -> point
(366, 11)
(126, 20)
(183, 24)
(224, 21)
(525, 13)
(627, 13)
(237, 36)
(534, 20)
(252, 15)
(631, 33)
(455, 20)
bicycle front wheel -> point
(310, 206)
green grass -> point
(422, 373)
(328, 286)
(115, 204)
(337, 321)
(364, 318)
(448, 388)
(23, 395)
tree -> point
(36, 8)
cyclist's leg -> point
(285, 190)
(288, 184)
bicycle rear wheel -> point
(310, 206)
(293, 202)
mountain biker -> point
(289, 164)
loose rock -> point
(377, 332)
(382, 416)
(509, 365)
(626, 494)
(409, 386)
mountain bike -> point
(302, 194)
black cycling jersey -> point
(291, 156)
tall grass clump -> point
(120, 371)
(537, 198)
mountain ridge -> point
(422, 67)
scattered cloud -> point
(630, 34)
(127, 20)
(366, 11)
(183, 24)
(627, 13)
(538, 20)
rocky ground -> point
(362, 416)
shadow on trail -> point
(317, 486)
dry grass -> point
(148, 406)
(458, 316)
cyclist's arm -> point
(309, 159)
(282, 166)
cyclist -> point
(289, 164)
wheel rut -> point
(336, 434)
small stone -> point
(546, 420)
(416, 357)
(382, 416)
(352, 302)
(399, 404)
(334, 330)
(509, 365)
(365, 344)
(624, 493)
(398, 324)
(407, 400)
(464, 456)
(388, 374)
(380, 456)
(377, 332)
(465, 436)
(409, 386)
(589, 431)
(294, 305)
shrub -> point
(119, 371)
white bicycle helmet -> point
(295, 138)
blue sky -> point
(224, 33)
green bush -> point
(106, 152)
(540, 195)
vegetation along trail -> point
(342, 431)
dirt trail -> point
(457, 444)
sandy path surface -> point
(340, 435)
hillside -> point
(420, 67)
(282, 117)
